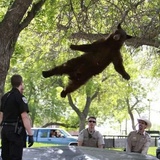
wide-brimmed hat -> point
(149, 124)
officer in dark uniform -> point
(15, 121)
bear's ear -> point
(129, 37)
(119, 26)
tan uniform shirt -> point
(90, 140)
(138, 143)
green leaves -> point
(45, 44)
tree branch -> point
(72, 104)
(35, 8)
(59, 124)
(87, 105)
(16, 12)
(95, 95)
(135, 42)
(127, 11)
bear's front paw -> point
(63, 94)
(72, 46)
(127, 76)
(44, 74)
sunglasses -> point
(92, 121)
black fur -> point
(98, 55)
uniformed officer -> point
(15, 121)
(89, 137)
(139, 140)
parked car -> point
(157, 142)
(158, 149)
(62, 137)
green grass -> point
(35, 145)
(151, 151)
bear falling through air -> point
(98, 55)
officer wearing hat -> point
(15, 121)
(139, 140)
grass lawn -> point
(151, 151)
(35, 145)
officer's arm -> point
(146, 145)
(1, 117)
(100, 140)
(26, 122)
(80, 143)
(80, 138)
(128, 143)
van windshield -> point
(66, 133)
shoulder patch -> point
(24, 99)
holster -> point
(18, 127)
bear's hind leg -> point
(59, 70)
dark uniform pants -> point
(12, 144)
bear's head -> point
(120, 35)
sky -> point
(153, 115)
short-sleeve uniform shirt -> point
(91, 140)
(137, 142)
(13, 104)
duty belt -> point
(8, 124)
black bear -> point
(98, 55)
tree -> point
(88, 19)
(18, 16)
(72, 21)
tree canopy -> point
(36, 34)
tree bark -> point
(10, 27)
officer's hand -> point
(30, 140)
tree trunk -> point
(10, 27)
(6, 50)
(82, 122)
(130, 114)
(82, 115)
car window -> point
(59, 133)
(53, 133)
(43, 134)
(64, 134)
(34, 132)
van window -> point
(35, 131)
(59, 134)
(53, 133)
(43, 133)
